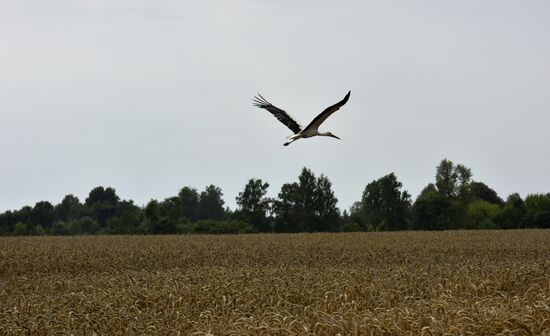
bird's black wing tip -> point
(260, 101)
(345, 100)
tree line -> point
(453, 201)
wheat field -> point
(407, 283)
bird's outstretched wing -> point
(281, 115)
(318, 120)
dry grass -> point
(454, 283)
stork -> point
(310, 130)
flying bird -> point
(310, 130)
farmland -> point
(405, 283)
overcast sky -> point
(151, 96)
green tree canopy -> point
(452, 180)
(253, 205)
(126, 219)
(43, 214)
(537, 210)
(102, 195)
(285, 208)
(211, 204)
(308, 205)
(512, 214)
(384, 205)
(101, 203)
(8, 220)
(189, 203)
(481, 215)
(69, 208)
(481, 191)
(435, 211)
(326, 210)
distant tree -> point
(308, 205)
(20, 229)
(228, 214)
(102, 195)
(481, 215)
(211, 204)
(481, 191)
(306, 200)
(171, 208)
(345, 218)
(60, 228)
(87, 225)
(152, 210)
(384, 205)
(163, 225)
(452, 181)
(127, 218)
(73, 227)
(69, 208)
(512, 214)
(25, 215)
(446, 178)
(156, 218)
(356, 215)
(189, 203)
(43, 214)
(295, 207)
(285, 208)
(430, 188)
(436, 211)
(326, 210)
(352, 227)
(537, 210)
(253, 205)
(101, 204)
(464, 176)
(37, 230)
(8, 220)
(445, 204)
(515, 200)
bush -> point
(88, 225)
(481, 215)
(74, 228)
(486, 224)
(163, 225)
(144, 227)
(37, 230)
(237, 226)
(371, 228)
(215, 227)
(20, 229)
(510, 217)
(60, 228)
(352, 227)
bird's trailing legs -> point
(291, 139)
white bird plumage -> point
(310, 130)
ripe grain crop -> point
(406, 283)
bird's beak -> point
(334, 136)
